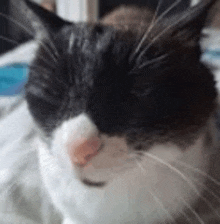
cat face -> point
(103, 97)
(129, 90)
(163, 89)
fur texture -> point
(143, 92)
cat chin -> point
(154, 179)
(120, 181)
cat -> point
(118, 123)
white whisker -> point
(199, 171)
(147, 63)
(156, 199)
(193, 211)
(208, 190)
(160, 34)
(152, 26)
(48, 63)
(17, 23)
(59, 81)
(189, 182)
(146, 33)
(205, 175)
(159, 202)
(47, 50)
(186, 217)
(167, 11)
(9, 40)
(31, 34)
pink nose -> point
(83, 150)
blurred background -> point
(18, 47)
(72, 10)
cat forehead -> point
(111, 43)
(104, 35)
(96, 35)
(93, 44)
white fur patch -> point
(139, 190)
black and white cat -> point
(118, 124)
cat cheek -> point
(81, 151)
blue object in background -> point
(12, 79)
(212, 55)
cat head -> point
(130, 89)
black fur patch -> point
(173, 96)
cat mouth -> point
(90, 183)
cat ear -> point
(43, 20)
(188, 25)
